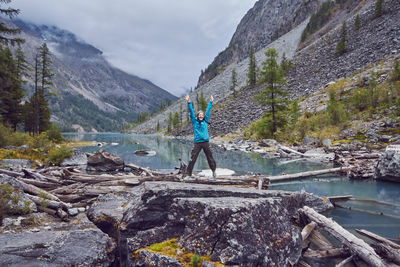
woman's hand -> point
(187, 98)
(212, 98)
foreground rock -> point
(104, 161)
(388, 167)
(89, 247)
(243, 227)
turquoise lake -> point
(369, 195)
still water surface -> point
(369, 195)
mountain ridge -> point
(85, 81)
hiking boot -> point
(214, 174)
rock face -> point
(104, 161)
(89, 247)
(243, 227)
(265, 22)
(77, 158)
(388, 167)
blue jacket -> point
(200, 127)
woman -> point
(201, 138)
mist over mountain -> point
(88, 92)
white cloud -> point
(167, 42)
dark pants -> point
(195, 153)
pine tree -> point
(233, 82)
(379, 8)
(252, 77)
(285, 63)
(202, 104)
(357, 23)
(169, 123)
(11, 92)
(6, 32)
(341, 46)
(158, 126)
(273, 96)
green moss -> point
(170, 248)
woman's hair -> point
(200, 111)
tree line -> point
(33, 115)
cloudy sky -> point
(165, 41)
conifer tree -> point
(158, 126)
(357, 23)
(233, 82)
(252, 77)
(11, 92)
(341, 46)
(202, 102)
(6, 33)
(285, 63)
(273, 96)
(378, 8)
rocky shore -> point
(133, 216)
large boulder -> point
(88, 247)
(388, 167)
(243, 227)
(104, 161)
(78, 158)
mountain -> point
(315, 61)
(265, 22)
(88, 92)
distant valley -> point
(88, 93)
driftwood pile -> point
(353, 251)
(57, 190)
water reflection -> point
(170, 150)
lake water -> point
(369, 195)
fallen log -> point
(344, 262)
(30, 173)
(367, 211)
(388, 252)
(41, 184)
(11, 173)
(335, 199)
(37, 191)
(307, 230)
(326, 253)
(286, 177)
(319, 240)
(377, 238)
(47, 203)
(357, 246)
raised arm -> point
(207, 115)
(191, 112)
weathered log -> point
(286, 177)
(326, 253)
(319, 240)
(49, 203)
(367, 211)
(307, 230)
(357, 246)
(41, 184)
(388, 252)
(62, 214)
(47, 210)
(335, 199)
(141, 169)
(302, 263)
(28, 188)
(99, 179)
(345, 261)
(30, 173)
(377, 238)
(11, 173)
